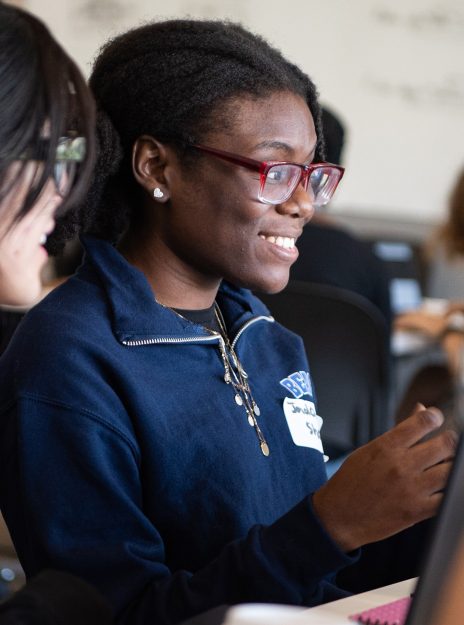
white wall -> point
(393, 70)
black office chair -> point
(346, 342)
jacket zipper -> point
(248, 324)
(192, 339)
(198, 339)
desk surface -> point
(337, 612)
(334, 613)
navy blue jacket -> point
(126, 461)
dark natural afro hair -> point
(172, 79)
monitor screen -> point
(445, 559)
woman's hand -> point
(389, 484)
(453, 345)
(430, 324)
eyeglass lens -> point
(282, 180)
(64, 173)
(324, 181)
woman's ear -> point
(149, 160)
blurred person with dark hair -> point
(334, 135)
(46, 151)
(329, 254)
(46, 155)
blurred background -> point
(392, 72)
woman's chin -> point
(272, 284)
(20, 295)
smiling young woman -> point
(176, 430)
(219, 225)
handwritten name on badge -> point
(303, 422)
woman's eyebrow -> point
(280, 145)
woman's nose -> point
(299, 204)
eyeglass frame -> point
(70, 149)
(263, 167)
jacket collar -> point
(137, 316)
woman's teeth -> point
(286, 242)
(43, 239)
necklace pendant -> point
(251, 421)
(243, 373)
(256, 409)
(264, 448)
(238, 400)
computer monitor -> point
(445, 559)
(401, 261)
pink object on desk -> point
(393, 613)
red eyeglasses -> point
(279, 179)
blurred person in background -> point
(441, 319)
(444, 253)
(329, 254)
(46, 155)
(444, 257)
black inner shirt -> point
(205, 317)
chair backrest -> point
(346, 341)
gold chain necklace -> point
(236, 375)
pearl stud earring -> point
(157, 193)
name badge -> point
(304, 424)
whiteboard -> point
(392, 70)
